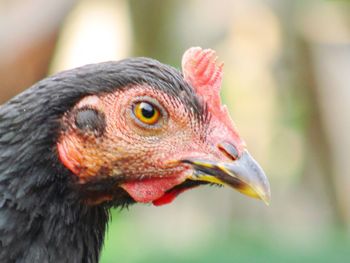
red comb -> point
(203, 73)
(201, 70)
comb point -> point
(200, 68)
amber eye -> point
(146, 113)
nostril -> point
(229, 150)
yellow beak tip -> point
(266, 200)
(260, 194)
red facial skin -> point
(147, 156)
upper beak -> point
(244, 174)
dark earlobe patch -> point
(90, 120)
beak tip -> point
(265, 195)
(266, 199)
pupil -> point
(147, 110)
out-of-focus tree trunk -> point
(321, 181)
(30, 65)
(152, 29)
(28, 35)
(314, 76)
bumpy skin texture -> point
(42, 216)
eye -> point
(146, 112)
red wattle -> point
(169, 196)
(149, 190)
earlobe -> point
(90, 120)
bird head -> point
(157, 133)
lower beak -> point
(244, 174)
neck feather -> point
(47, 222)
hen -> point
(112, 134)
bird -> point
(112, 134)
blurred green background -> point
(286, 83)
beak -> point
(243, 174)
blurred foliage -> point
(239, 244)
(286, 84)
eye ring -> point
(146, 113)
